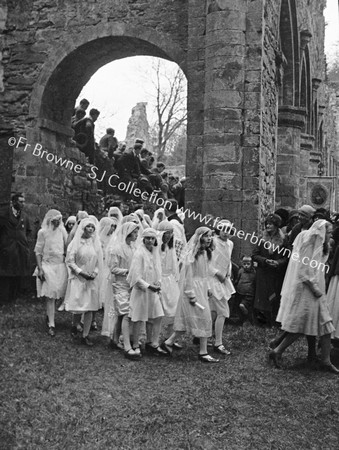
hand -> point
(193, 301)
(220, 277)
(154, 288)
(317, 293)
(86, 276)
(272, 263)
(41, 275)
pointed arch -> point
(289, 45)
(305, 100)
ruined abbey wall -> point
(257, 108)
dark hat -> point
(139, 142)
(293, 213)
(274, 219)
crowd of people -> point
(135, 164)
(143, 273)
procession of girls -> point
(142, 272)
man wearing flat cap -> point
(128, 165)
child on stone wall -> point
(245, 288)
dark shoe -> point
(243, 309)
(148, 347)
(222, 350)
(94, 326)
(74, 331)
(272, 344)
(157, 350)
(312, 359)
(86, 341)
(130, 354)
(328, 367)
(276, 358)
(206, 358)
(167, 348)
(113, 345)
(51, 331)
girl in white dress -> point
(220, 267)
(193, 313)
(51, 271)
(119, 258)
(80, 215)
(145, 279)
(169, 273)
(69, 224)
(107, 227)
(158, 217)
(84, 259)
(115, 213)
(303, 307)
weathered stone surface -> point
(138, 127)
(247, 115)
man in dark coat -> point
(109, 143)
(14, 249)
(84, 134)
(128, 165)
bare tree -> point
(170, 108)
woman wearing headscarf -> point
(304, 308)
(272, 261)
(51, 271)
(193, 313)
(85, 261)
(145, 280)
(119, 258)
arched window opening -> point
(306, 91)
(289, 46)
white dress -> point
(118, 303)
(51, 246)
(144, 304)
(83, 295)
(221, 262)
(169, 281)
(300, 310)
(194, 282)
(333, 303)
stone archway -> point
(52, 102)
(75, 61)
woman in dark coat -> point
(271, 256)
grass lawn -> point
(58, 394)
